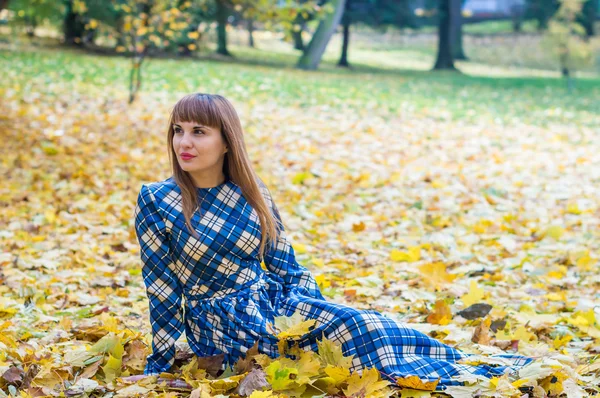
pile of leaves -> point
(483, 236)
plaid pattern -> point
(229, 298)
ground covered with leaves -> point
(468, 208)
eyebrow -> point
(195, 127)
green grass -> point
(490, 27)
(499, 27)
(261, 75)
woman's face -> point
(200, 150)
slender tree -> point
(314, 52)
(459, 52)
(221, 15)
(448, 17)
(299, 22)
(74, 27)
(566, 37)
(250, 24)
(345, 42)
(542, 11)
(376, 14)
(588, 17)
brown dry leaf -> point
(481, 335)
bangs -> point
(197, 108)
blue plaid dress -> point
(215, 289)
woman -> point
(203, 233)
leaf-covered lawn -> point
(467, 207)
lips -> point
(187, 156)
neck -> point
(208, 181)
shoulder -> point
(264, 190)
(160, 188)
(157, 191)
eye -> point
(198, 132)
(177, 130)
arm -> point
(280, 259)
(162, 285)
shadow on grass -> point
(262, 58)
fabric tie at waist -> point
(196, 294)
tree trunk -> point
(31, 24)
(314, 52)
(446, 34)
(222, 14)
(73, 27)
(588, 16)
(344, 57)
(459, 52)
(297, 35)
(250, 33)
(517, 12)
(298, 43)
(543, 11)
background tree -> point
(354, 11)
(222, 12)
(566, 37)
(314, 52)
(541, 11)
(588, 17)
(458, 49)
(31, 13)
(449, 14)
(378, 14)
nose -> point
(185, 141)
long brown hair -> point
(217, 112)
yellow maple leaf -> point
(553, 384)
(293, 326)
(415, 383)
(323, 280)
(299, 248)
(555, 232)
(261, 394)
(584, 263)
(220, 386)
(191, 372)
(583, 319)
(413, 254)
(331, 353)
(299, 178)
(474, 296)
(573, 208)
(435, 275)
(369, 385)
(560, 342)
(522, 334)
(280, 377)
(112, 368)
(410, 393)
(338, 374)
(111, 343)
(308, 365)
(441, 315)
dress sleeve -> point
(162, 285)
(280, 259)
